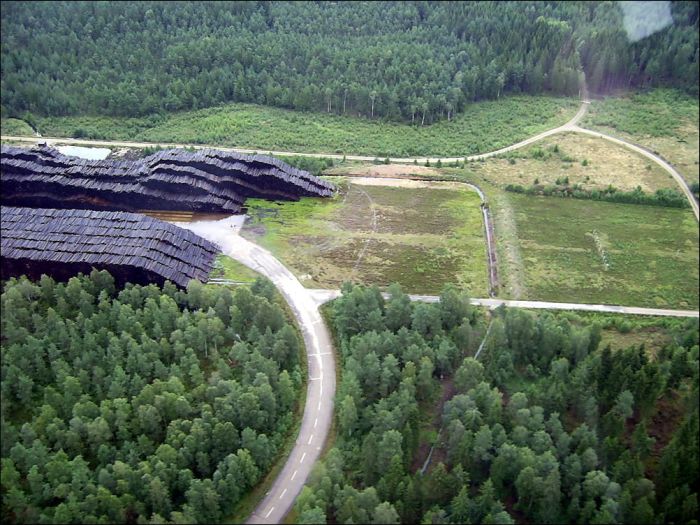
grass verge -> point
(590, 162)
(226, 267)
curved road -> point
(399, 160)
(571, 126)
(643, 151)
(320, 393)
(318, 411)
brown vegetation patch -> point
(592, 162)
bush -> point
(584, 162)
(665, 197)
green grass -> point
(15, 127)
(484, 126)
(422, 238)
(663, 120)
(227, 268)
(564, 244)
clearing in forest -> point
(483, 126)
(598, 252)
(422, 238)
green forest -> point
(415, 62)
(145, 404)
(545, 427)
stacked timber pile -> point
(133, 247)
(206, 180)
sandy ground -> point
(405, 183)
(384, 170)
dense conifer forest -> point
(141, 404)
(411, 61)
(545, 427)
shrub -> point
(584, 162)
(665, 197)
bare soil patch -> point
(406, 183)
(383, 170)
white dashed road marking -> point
(283, 493)
(269, 512)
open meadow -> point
(572, 250)
(483, 126)
(421, 237)
(663, 120)
(590, 162)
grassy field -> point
(17, 127)
(591, 162)
(227, 268)
(421, 238)
(485, 126)
(595, 252)
(663, 120)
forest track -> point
(323, 296)
(570, 126)
(651, 156)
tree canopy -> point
(418, 61)
(546, 427)
(143, 404)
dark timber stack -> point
(207, 180)
(132, 247)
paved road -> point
(318, 411)
(323, 296)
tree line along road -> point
(318, 410)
